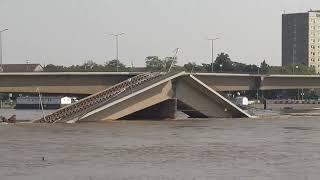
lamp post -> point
(258, 88)
(212, 49)
(117, 48)
(1, 69)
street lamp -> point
(212, 58)
(220, 67)
(117, 48)
(1, 69)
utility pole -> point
(117, 48)
(212, 51)
(1, 69)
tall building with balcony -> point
(301, 39)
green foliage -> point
(112, 66)
(154, 63)
(193, 67)
(169, 61)
(53, 68)
(88, 66)
(223, 63)
(264, 67)
(300, 69)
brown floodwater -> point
(277, 148)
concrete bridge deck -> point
(92, 82)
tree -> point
(300, 69)
(193, 67)
(239, 67)
(87, 66)
(251, 69)
(168, 61)
(53, 68)
(264, 67)
(112, 66)
(223, 63)
(154, 63)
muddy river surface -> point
(270, 148)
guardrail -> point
(291, 101)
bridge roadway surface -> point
(93, 82)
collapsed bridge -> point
(149, 95)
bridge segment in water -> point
(150, 95)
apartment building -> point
(301, 39)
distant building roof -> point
(21, 68)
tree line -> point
(222, 63)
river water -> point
(270, 148)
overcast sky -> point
(69, 32)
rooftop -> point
(21, 67)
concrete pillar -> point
(168, 109)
